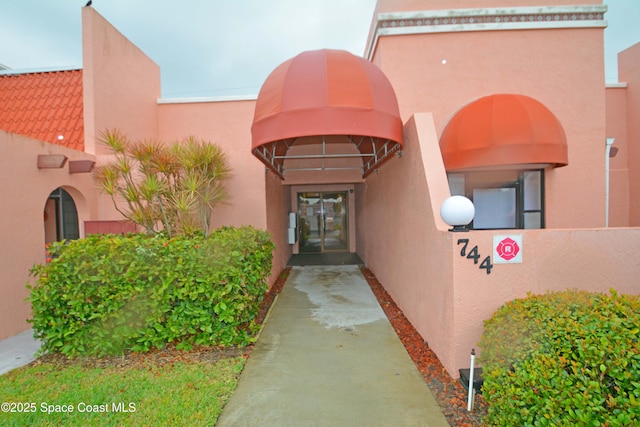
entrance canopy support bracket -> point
(373, 152)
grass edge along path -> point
(191, 393)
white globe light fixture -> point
(458, 212)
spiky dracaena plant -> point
(174, 187)
(206, 171)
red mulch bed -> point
(449, 393)
(271, 294)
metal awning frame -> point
(373, 153)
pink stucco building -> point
(502, 101)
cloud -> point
(208, 48)
(622, 32)
(39, 34)
(238, 52)
(223, 48)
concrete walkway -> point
(17, 351)
(328, 356)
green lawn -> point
(191, 393)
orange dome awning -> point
(326, 92)
(503, 130)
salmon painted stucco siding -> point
(278, 205)
(121, 84)
(402, 238)
(539, 49)
(562, 69)
(629, 73)
(447, 296)
(619, 191)
(25, 190)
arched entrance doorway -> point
(60, 217)
(324, 121)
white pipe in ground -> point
(471, 389)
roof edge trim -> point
(484, 19)
(203, 99)
(11, 71)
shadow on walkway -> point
(325, 258)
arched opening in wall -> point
(324, 120)
(495, 151)
(60, 217)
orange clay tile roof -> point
(44, 105)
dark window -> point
(509, 199)
(66, 215)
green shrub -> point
(563, 359)
(107, 294)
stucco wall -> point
(278, 205)
(445, 295)
(629, 72)
(402, 239)
(561, 68)
(619, 164)
(121, 84)
(594, 260)
(25, 192)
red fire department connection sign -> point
(507, 249)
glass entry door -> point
(323, 221)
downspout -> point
(607, 157)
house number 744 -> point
(475, 256)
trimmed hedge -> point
(107, 294)
(563, 359)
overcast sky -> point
(217, 48)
